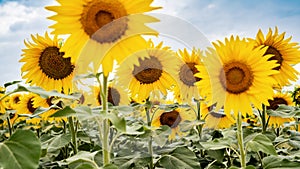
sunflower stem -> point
(241, 141)
(73, 134)
(105, 141)
(199, 127)
(9, 126)
(263, 119)
(150, 146)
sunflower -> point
(45, 66)
(215, 120)
(26, 107)
(14, 100)
(172, 119)
(237, 76)
(116, 95)
(279, 99)
(46, 103)
(148, 70)
(185, 76)
(97, 25)
(285, 53)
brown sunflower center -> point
(16, 100)
(103, 21)
(53, 64)
(274, 104)
(149, 70)
(171, 119)
(30, 107)
(236, 77)
(113, 97)
(277, 56)
(186, 74)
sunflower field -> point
(103, 89)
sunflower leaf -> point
(181, 157)
(217, 144)
(65, 112)
(11, 83)
(278, 162)
(20, 153)
(258, 142)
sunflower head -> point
(148, 70)
(283, 51)
(215, 119)
(277, 100)
(45, 66)
(237, 76)
(172, 118)
(186, 78)
(104, 27)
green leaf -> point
(216, 154)
(45, 94)
(277, 162)
(217, 144)
(65, 112)
(110, 166)
(181, 157)
(161, 135)
(118, 122)
(138, 160)
(82, 160)
(11, 83)
(21, 151)
(258, 142)
(59, 142)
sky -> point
(215, 19)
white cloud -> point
(18, 21)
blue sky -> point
(216, 19)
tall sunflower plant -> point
(109, 97)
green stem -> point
(106, 124)
(241, 141)
(263, 119)
(73, 134)
(199, 127)
(150, 146)
(9, 126)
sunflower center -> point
(236, 77)
(53, 64)
(274, 104)
(149, 70)
(186, 74)
(277, 56)
(30, 106)
(16, 100)
(113, 97)
(171, 119)
(103, 21)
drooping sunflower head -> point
(45, 66)
(172, 119)
(215, 119)
(186, 71)
(96, 26)
(285, 53)
(148, 70)
(237, 75)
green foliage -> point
(181, 157)
(21, 151)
